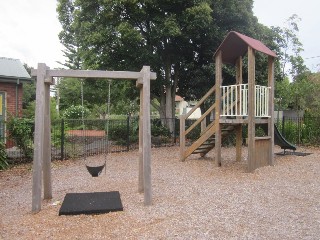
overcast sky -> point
(29, 28)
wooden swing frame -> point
(42, 135)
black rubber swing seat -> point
(95, 171)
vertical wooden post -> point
(218, 62)
(46, 168)
(203, 124)
(146, 136)
(251, 109)
(271, 107)
(238, 142)
(141, 116)
(182, 137)
(38, 139)
(239, 127)
(239, 71)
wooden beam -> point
(244, 121)
(46, 167)
(238, 142)
(211, 91)
(140, 180)
(218, 63)
(94, 74)
(239, 80)
(182, 137)
(205, 136)
(271, 107)
(199, 120)
(251, 109)
(38, 139)
(146, 136)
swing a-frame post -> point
(42, 145)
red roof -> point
(178, 99)
(236, 44)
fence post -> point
(128, 132)
(283, 122)
(299, 129)
(62, 139)
(174, 131)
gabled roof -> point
(236, 44)
(178, 98)
(13, 69)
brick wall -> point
(10, 90)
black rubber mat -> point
(91, 203)
(293, 153)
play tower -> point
(236, 105)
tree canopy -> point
(177, 38)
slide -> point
(281, 141)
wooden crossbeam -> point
(94, 74)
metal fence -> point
(300, 130)
(76, 138)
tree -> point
(69, 92)
(29, 90)
(177, 38)
(30, 110)
(287, 38)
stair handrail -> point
(183, 118)
(211, 91)
(199, 120)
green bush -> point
(157, 131)
(303, 131)
(75, 112)
(3, 157)
(119, 134)
(20, 131)
(195, 133)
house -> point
(183, 107)
(12, 76)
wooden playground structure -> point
(42, 140)
(236, 105)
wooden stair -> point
(206, 141)
(209, 143)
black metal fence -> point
(76, 138)
(300, 130)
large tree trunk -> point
(162, 106)
(169, 101)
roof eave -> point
(242, 48)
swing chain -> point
(82, 121)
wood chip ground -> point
(191, 199)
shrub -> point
(75, 112)
(119, 133)
(157, 131)
(195, 133)
(20, 131)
